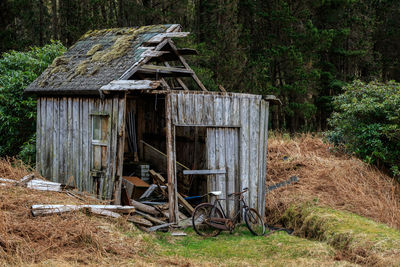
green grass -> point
(242, 248)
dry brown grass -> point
(75, 238)
(330, 179)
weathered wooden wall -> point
(240, 135)
(65, 152)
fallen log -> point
(38, 210)
(144, 208)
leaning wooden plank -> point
(150, 218)
(185, 204)
(144, 208)
(158, 227)
(121, 85)
(181, 200)
(139, 220)
(149, 191)
(160, 37)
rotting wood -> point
(144, 208)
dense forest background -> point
(302, 51)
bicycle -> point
(209, 220)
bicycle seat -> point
(215, 193)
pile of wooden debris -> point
(146, 215)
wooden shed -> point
(124, 95)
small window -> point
(99, 129)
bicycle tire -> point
(254, 222)
(201, 228)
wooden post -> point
(172, 186)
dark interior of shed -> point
(145, 144)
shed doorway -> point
(208, 148)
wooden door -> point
(223, 152)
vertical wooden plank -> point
(56, 140)
(38, 134)
(218, 110)
(43, 136)
(265, 154)
(220, 161)
(211, 162)
(69, 166)
(120, 150)
(181, 108)
(254, 139)
(227, 112)
(235, 115)
(208, 116)
(91, 182)
(49, 139)
(85, 144)
(75, 160)
(172, 183)
(244, 145)
(261, 167)
(63, 139)
(230, 167)
(174, 108)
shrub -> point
(366, 122)
(18, 111)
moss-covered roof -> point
(98, 57)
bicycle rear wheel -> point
(200, 214)
(254, 222)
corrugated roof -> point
(98, 58)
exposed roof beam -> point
(165, 71)
(123, 85)
(161, 36)
(181, 83)
(183, 61)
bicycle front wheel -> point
(254, 222)
(200, 214)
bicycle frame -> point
(237, 215)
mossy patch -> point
(360, 239)
(58, 61)
(94, 49)
(81, 69)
